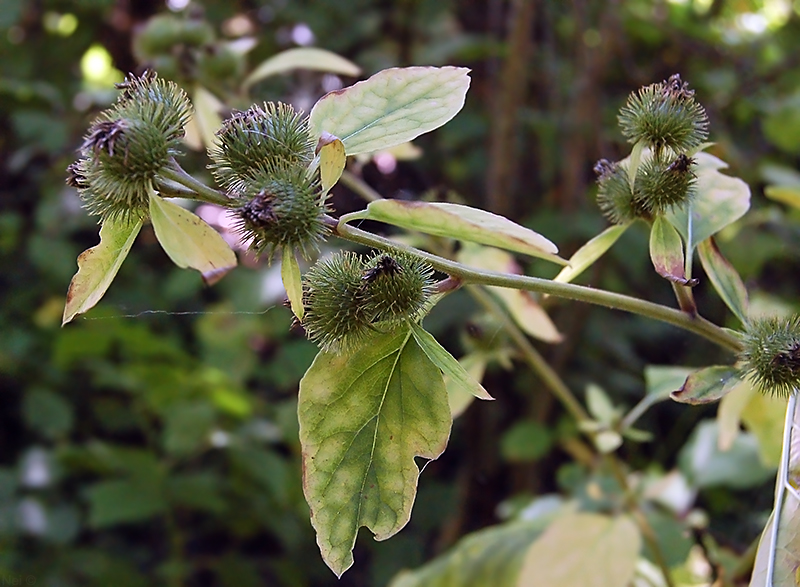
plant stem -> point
(359, 186)
(535, 360)
(570, 291)
(200, 191)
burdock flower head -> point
(281, 206)
(665, 115)
(771, 355)
(128, 145)
(348, 299)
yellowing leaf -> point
(292, 281)
(666, 252)
(724, 278)
(590, 252)
(521, 305)
(393, 106)
(363, 418)
(98, 266)
(302, 58)
(590, 550)
(459, 396)
(789, 195)
(189, 241)
(721, 200)
(332, 160)
(764, 416)
(729, 414)
(463, 223)
(206, 115)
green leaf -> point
(720, 200)
(187, 427)
(488, 557)
(724, 278)
(363, 418)
(292, 282)
(447, 363)
(462, 223)
(666, 252)
(125, 501)
(789, 195)
(705, 465)
(98, 266)
(525, 442)
(198, 491)
(729, 413)
(707, 385)
(586, 549)
(332, 160)
(310, 58)
(661, 381)
(591, 252)
(393, 106)
(189, 241)
(459, 396)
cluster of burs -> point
(264, 160)
(667, 126)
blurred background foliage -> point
(154, 441)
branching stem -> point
(468, 275)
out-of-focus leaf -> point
(590, 252)
(311, 58)
(363, 418)
(724, 278)
(721, 200)
(789, 195)
(661, 381)
(586, 549)
(707, 385)
(599, 404)
(729, 414)
(488, 557)
(393, 106)
(125, 501)
(47, 412)
(450, 367)
(201, 132)
(525, 442)
(764, 416)
(705, 465)
(521, 305)
(332, 160)
(98, 266)
(666, 252)
(459, 396)
(189, 241)
(292, 282)
(197, 491)
(187, 426)
(462, 223)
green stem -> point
(535, 360)
(200, 191)
(570, 291)
(359, 186)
